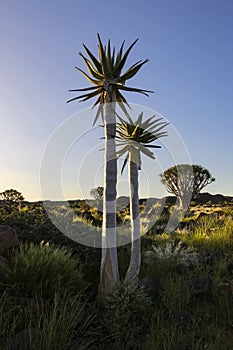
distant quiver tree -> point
(97, 192)
(12, 199)
(186, 181)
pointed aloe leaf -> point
(99, 100)
(119, 54)
(72, 99)
(109, 51)
(106, 67)
(98, 113)
(121, 63)
(94, 60)
(93, 81)
(121, 103)
(89, 95)
(91, 69)
(149, 122)
(140, 161)
(127, 88)
(131, 72)
(145, 150)
(122, 151)
(113, 58)
(139, 120)
(123, 123)
(86, 89)
(152, 146)
(124, 164)
(135, 130)
(92, 94)
(156, 129)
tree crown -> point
(105, 72)
(186, 178)
(136, 136)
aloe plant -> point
(135, 138)
(107, 76)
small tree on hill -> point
(12, 199)
(186, 181)
(98, 194)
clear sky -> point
(190, 47)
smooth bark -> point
(109, 273)
(135, 262)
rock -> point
(184, 316)
(187, 225)
(8, 240)
(230, 267)
(24, 339)
(201, 286)
(149, 286)
(4, 263)
(87, 216)
(201, 215)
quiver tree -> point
(134, 139)
(98, 194)
(186, 181)
(12, 199)
(107, 76)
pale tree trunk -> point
(135, 262)
(109, 273)
(184, 202)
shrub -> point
(43, 269)
(126, 317)
(174, 251)
(56, 325)
(9, 317)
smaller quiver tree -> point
(186, 181)
(98, 194)
(12, 199)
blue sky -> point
(190, 48)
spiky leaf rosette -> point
(136, 137)
(106, 73)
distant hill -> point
(123, 201)
(213, 198)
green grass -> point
(41, 291)
(43, 268)
(58, 325)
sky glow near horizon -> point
(190, 49)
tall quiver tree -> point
(135, 138)
(105, 72)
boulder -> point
(148, 285)
(8, 240)
(4, 264)
(201, 286)
(4, 261)
(230, 267)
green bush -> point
(9, 317)
(43, 270)
(126, 317)
(56, 325)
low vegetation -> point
(48, 290)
